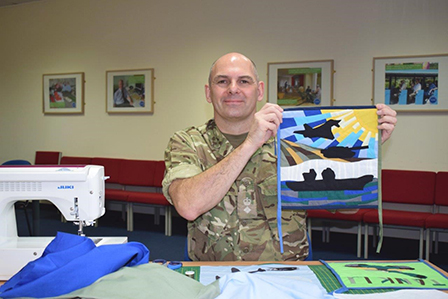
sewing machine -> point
(78, 193)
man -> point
(122, 97)
(222, 176)
(403, 85)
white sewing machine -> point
(78, 193)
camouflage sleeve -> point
(181, 160)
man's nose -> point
(233, 87)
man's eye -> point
(245, 82)
(221, 82)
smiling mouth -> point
(233, 101)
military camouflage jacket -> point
(243, 226)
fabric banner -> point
(395, 275)
(328, 158)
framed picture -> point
(303, 83)
(130, 91)
(63, 93)
(411, 83)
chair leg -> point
(130, 222)
(168, 221)
(156, 215)
(436, 243)
(358, 245)
(366, 241)
(308, 220)
(374, 234)
(431, 245)
(124, 211)
(428, 242)
(324, 234)
(420, 245)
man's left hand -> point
(387, 121)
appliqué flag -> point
(328, 158)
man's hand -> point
(387, 121)
(264, 125)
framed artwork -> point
(303, 83)
(63, 93)
(411, 83)
(130, 91)
(328, 158)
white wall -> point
(180, 39)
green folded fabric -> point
(146, 281)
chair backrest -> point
(111, 168)
(16, 162)
(66, 160)
(137, 172)
(159, 173)
(441, 197)
(408, 186)
(47, 158)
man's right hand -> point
(264, 125)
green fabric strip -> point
(380, 195)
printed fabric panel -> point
(328, 158)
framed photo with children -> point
(63, 93)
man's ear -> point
(260, 91)
(207, 93)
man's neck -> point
(233, 127)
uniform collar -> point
(219, 144)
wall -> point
(180, 39)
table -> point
(316, 264)
(325, 276)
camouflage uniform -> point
(243, 226)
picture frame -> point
(301, 83)
(63, 93)
(138, 95)
(411, 83)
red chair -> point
(337, 216)
(438, 222)
(402, 189)
(66, 160)
(143, 181)
(113, 189)
(47, 158)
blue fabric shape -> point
(289, 122)
(71, 262)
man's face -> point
(234, 89)
(120, 84)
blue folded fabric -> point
(71, 262)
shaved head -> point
(234, 56)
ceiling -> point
(4, 3)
